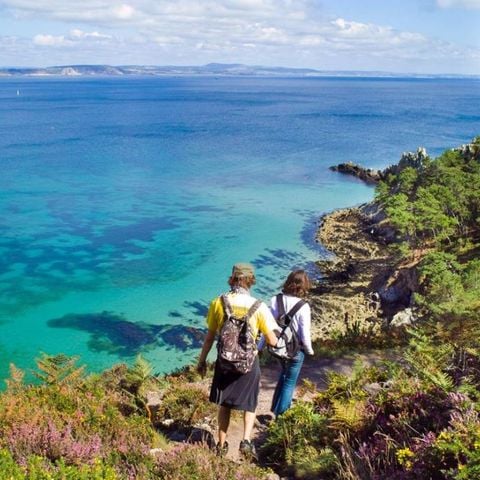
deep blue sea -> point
(125, 201)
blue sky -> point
(421, 36)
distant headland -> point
(211, 69)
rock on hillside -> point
(362, 283)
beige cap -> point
(245, 269)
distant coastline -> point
(211, 69)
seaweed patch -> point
(113, 333)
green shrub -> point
(186, 405)
(36, 468)
(70, 421)
(316, 463)
(297, 435)
(189, 462)
(460, 445)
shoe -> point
(221, 450)
(247, 450)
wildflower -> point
(444, 435)
(404, 457)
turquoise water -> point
(124, 202)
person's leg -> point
(278, 389)
(223, 423)
(248, 423)
(247, 448)
(291, 372)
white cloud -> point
(75, 39)
(283, 32)
(76, 33)
(466, 4)
(48, 40)
(123, 12)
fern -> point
(59, 370)
(349, 414)
(15, 382)
(141, 371)
(430, 361)
(351, 386)
(140, 377)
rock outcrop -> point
(362, 283)
(345, 295)
(415, 160)
(368, 175)
(470, 151)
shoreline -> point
(360, 264)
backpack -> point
(288, 344)
(236, 344)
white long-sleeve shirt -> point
(301, 321)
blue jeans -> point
(282, 398)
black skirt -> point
(235, 390)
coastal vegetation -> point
(435, 207)
(74, 426)
(415, 417)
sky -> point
(401, 36)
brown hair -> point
(239, 280)
(297, 284)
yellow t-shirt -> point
(261, 321)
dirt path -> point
(314, 369)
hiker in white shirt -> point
(294, 290)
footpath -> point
(314, 370)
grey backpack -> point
(288, 343)
(236, 344)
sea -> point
(124, 202)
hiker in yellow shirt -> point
(236, 378)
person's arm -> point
(272, 308)
(202, 359)
(271, 338)
(268, 325)
(215, 311)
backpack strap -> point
(281, 309)
(296, 308)
(280, 305)
(227, 307)
(252, 309)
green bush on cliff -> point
(448, 288)
(437, 214)
(186, 404)
(439, 205)
(36, 468)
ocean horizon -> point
(124, 202)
